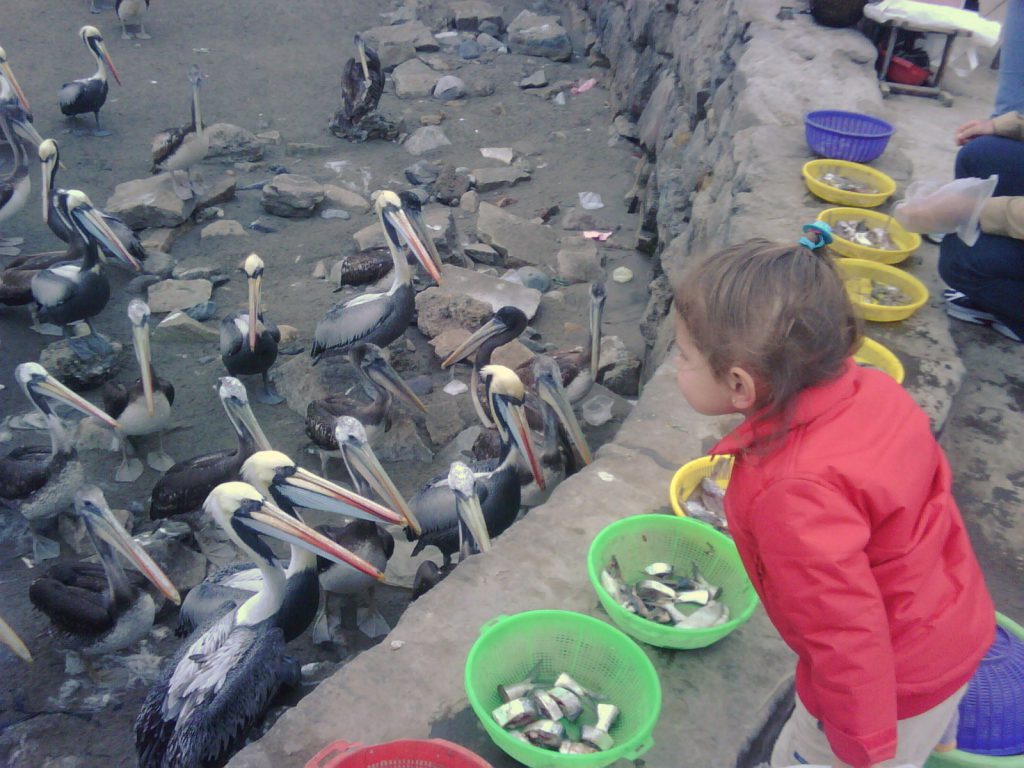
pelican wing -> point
(54, 286)
(351, 322)
(69, 92)
(223, 591)
(75, 609)
(7, 191)
(115, 398)
(233, 330)
(186, 485)
(165, 143)
(24, 471)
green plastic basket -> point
(596, 654)
(641, 540)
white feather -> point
(201, 671)
(69, 93)
(364, 298)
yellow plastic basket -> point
(864, 174)
(908, 242)
(688, 476)
(879, 356)
(858, 274)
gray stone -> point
(73, 531)
(215, 274)
(439, 310)
(482, 253)
(488, 179)
(422, 385)
(221, 189)
(580, 262)
(74, 372)
(402, 443)
(222, 228)
(161, 238)
(149, 202)
(450, 186)
(413, 79)
(345, 199)
(531, 277)
(521, 242)
(184, 566)
(626, 128)
(538, 79)
(619, 369)
(578, 219)
(444, 420)
(231, 143)
(304, 148)
(469, 50)
(422, 172)
(657, 307)
(400, 42)
(169, 295)
(369, 237)
(489, 43)
(292, 196)
(532, 35)
(471, 14)
(202, 312)
(449, 88)
(269, 137)
(158, 263)
(511, 355)
(178, 326)
(490, 290)
(470, 201)
(480, 85)
(426, 139)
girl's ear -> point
(743, 389)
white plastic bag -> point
(935, 207)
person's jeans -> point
(991, 272)
(1010, 88)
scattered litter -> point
(559, 98)
(455, 387)
(336, 165)
(583, 87)
(259, 226)
(320, 270)
(622, 274)
(597, 234)
(597, 410)
(201, 50)
(396, 644)
(591, 201)
(254, 185)
(504, 154)
(608, 477)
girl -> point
(840, 506)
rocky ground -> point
(525, 129)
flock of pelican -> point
(237, 622)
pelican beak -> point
(93, 223)
(140, 335)
(268, 519)
(361, 50)
(23, 124)
(596, 311)
(254, 308)
(5, 68)
(552, 393)
(492, 327)
(102, 524)
(109, 62)
(247, 420)
(10, 638)
(388, 378)
(472, 516)
(53, 388)
(360, 459)
(304, 489)
(414, 238)
(515, 417)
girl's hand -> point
(973, 129)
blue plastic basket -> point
(992, 711)
(846, 135)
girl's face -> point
(705, 393)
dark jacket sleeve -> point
(818, 583)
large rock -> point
(178, 326)
(149, 202)
(162, 238)
(450, 87)
(443, 420)
(579, 219)
(184, 566)
(292, 196)
(532, 35)
(439, 310)
(426, 139)
(72, 371)
(521, 242)
(511, 355)
(481, 253)
(345, 199)
(231, 143)
(216, 190)
(169, 295)
(400, 42)
(477, 15)
(222, 228)
(490, 290)
(402, 443)
(488, 179)
(580, 262)
(413, 79)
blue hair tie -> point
(823, 238)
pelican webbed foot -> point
(269, 395)
(6, 242)
(9, 250)
(142, 35)
(43, 547)
(370, 621)
(129, 471)
(159, 460)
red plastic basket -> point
(906, 72)
(404, 753)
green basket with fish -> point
(542, 647)
(712, 594)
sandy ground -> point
(272, 66)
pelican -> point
(276, 476)
(248, 340)
(497, 480)
(188, 482)
(375, 416)
(89, 94)
(41, 483)
(55, 202)
(9, 88)
(144, 407)
(178, 149)
(96, 617)
(362, 83)
(10, 638)
(132, 12)
(220, 685)
(17, 185)
(68, 293)
(380, 318)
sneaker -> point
(934, 237)
(960, 307)
(1005, 331)
(952, 293)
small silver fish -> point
(568, 701)
(547, 706)
(545, 733)
(597, 738)
(515, 713)
(566, 681)
(576, 748)
(710, 615)
(697, 596)
(607, 714)
(520, 689)
(659, 569)
(649, 589)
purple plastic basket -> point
(846, 135)
(992, 711)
